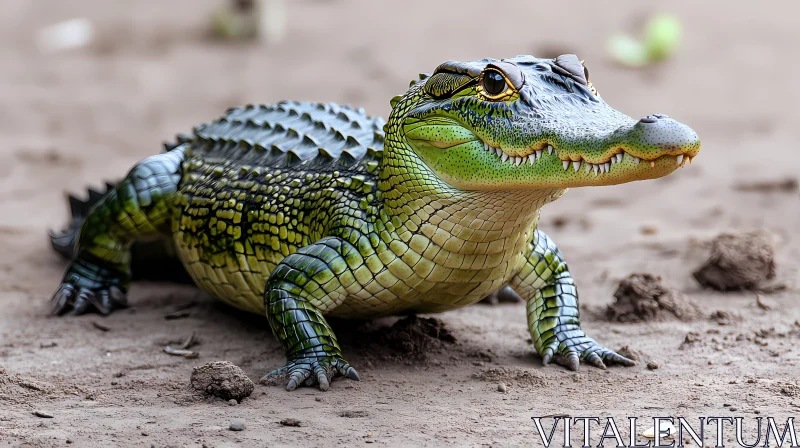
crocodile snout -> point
(658, 132)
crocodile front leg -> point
(553, 314)
(303, 286)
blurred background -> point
(89, 87)
(139, 72)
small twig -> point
(189, 342)
(761, 304)
(100, 327)
(181, 311)
(180, 352)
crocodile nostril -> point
(652, 118)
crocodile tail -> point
(64, 241)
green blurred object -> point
(662, 35)
(250, 19)
(627, 51)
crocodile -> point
(300, 210)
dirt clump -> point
(722, 317)
(222, 379)
(644, 297)
(511, 375)
(632, 354)
(738, 261)
(415, 335)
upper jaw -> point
(577, 162)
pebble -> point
(731, 409)
(501, 387)
(290, 422)
(43, 414)
(69, 441)
(232, 402)
(652, 365)
(236, 425)
(318, 398)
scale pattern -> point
(264, 181)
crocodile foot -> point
(87, 286)
(313, 370)
(569, 351)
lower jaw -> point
(626, 171)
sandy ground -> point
(74, 119)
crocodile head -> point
(529, 123)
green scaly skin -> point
(301, 211)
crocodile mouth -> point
(618, 155)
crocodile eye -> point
(494, 83)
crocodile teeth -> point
(652, 164)
(565, 163)
(499, 152)
(549, 149)
(518, 161)
(504, 156)
(486, 147)
(595, 168)
(619, 157)
(636, 160)
(576, 166)
(539, 154)
(607, 166)
(680, 159)
(531, 159)
(613, 160)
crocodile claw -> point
(570, 352)
(312, 371)
(87, 287)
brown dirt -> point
(414, 336)
(74, 119)
(645, 298)
(738, 261)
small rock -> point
(145, 434)
(501, 388)
(236, 425)
(222, 379)
(290, 422)
(119, 374)
(652, 365)
(353, 414)
(69, 441)
(317, 398)
(232, 402)
(738, 261)
(731, 409)
(42, 414)
(114, 383)
(47, 345)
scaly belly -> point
(236, 279)
(240, 281)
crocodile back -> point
(289, 134)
